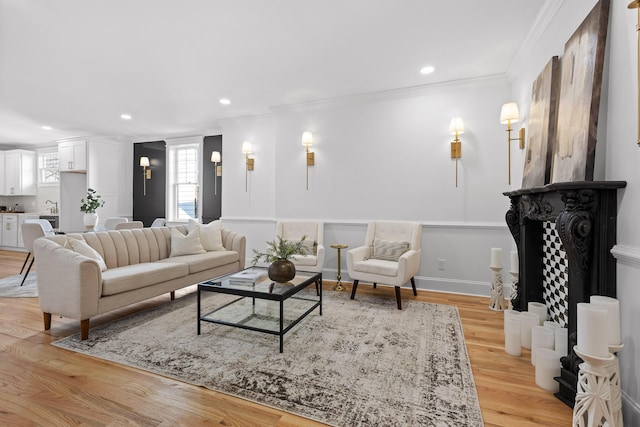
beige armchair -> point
(390, 256)
(314, 231)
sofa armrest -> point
(320, 254)
(69, 284)
(233, 241)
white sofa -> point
(138, 267)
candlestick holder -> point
(594, 406)
(497, 290)
(513, 296)
(613, 369)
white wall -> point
(381, 156)
(619, 119)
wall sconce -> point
(249, 163)
(456, 127)
(307, 141)
(144, 162)
(509, 114)
(215, 159)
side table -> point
(338, 286)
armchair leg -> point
(25, 262)
(47, 321)
(413, 285)
(353, 290)
(84, 329)
(375, 285)
(172, 295)
(398, 298)
(28, 270)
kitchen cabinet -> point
(19, 173)
(73, 156)
(10, 230)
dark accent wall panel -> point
(211, 190)
(148, 207)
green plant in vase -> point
(89, 205)
(278, 255)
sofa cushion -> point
(206, 261)
(83, 249)
(377, 266)
(130, 277)
(185, 245)
(210, 234)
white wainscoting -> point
(465, 247)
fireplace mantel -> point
(585, 216)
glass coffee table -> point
(262, 305)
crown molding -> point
(393, 94)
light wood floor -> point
(43, 385)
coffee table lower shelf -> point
(260, 315)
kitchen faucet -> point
(54, 209)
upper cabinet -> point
(73, 156)
(19, 173)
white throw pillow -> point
(210, 234)
(82, 248)
(185, 245)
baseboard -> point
(630, 410)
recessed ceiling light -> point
(225, 101)
(125, 116)
(427, 70)
(46, 127)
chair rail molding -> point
(626, 255)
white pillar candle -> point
(527, 321)
(547, 367)
(496, 257)
(613, 316)
(550, 324)
(538, 308)
(592, 330)
(514, 262)
(507, 314)
(512, 335)
(561, 341)
(541, 337)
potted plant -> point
(281, 269)
(89, 206)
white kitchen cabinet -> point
(73, 156)
(10, 230)
(19, 173)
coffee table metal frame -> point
(216, 285)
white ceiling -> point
(77, 65)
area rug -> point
(10, 286)
(362, 363)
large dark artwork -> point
(542, 126)
(579, 105)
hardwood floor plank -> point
(44, 385)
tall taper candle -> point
(514, 262)
(496, 257)
(613, 316)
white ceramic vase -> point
(90, 220)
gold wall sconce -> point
(249, 163)
(215, 159)
(144, 162)
(509, 114)
(307, 141)
(456, 127)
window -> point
(48, 171)
(184, 165)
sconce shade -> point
(509, 113)
(215, 157)
(456, 126)
(144, 161)
(307, 138)
(246, 147)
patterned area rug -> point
(362, 363)
(10, 286)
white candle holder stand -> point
(613, 369)
(594, 406)
(514, 287)
(497, 290)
